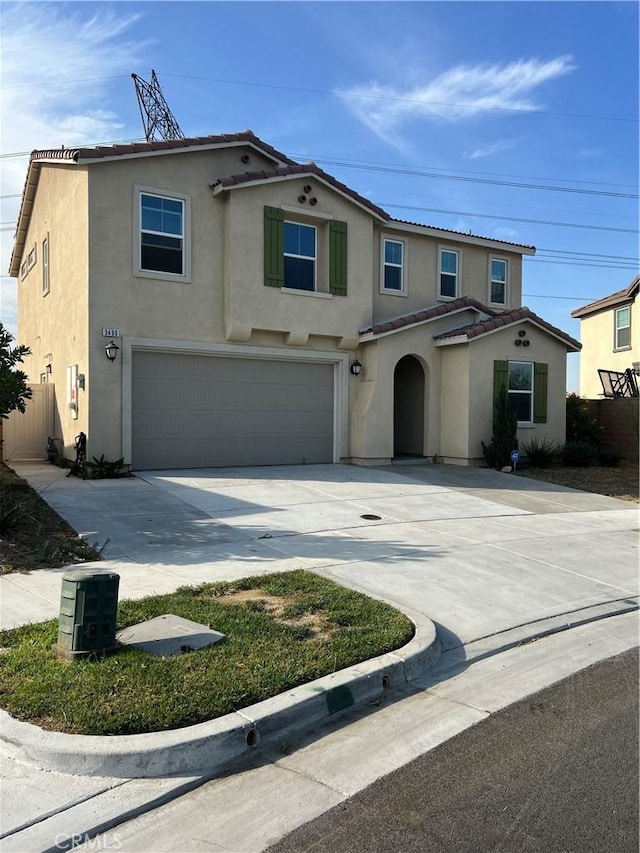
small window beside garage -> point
(526, 384)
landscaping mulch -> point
(619, 482)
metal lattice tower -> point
(158, 121)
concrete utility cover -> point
(168, 635)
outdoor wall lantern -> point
(48, 369)
(111, 350)
(355, 368)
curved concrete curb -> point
(209, 747)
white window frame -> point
(46, 285)
(314, 228)
(32, 257)
(504, 261)
(529, 392)
(441, 272)
(138, 271)
(24, 270)
(384, 239)
(617, 346)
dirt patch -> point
(276, 606)
(620, 482)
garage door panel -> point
(201, 411)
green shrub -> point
(504, 439)
(610, 457)
(15, 509)
(104, 469)
(541, 454)
(582, 425)
(578, 454)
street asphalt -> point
(494, 562)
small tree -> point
(582, 424)
(505, 431)
(14, 391)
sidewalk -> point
(494, 561)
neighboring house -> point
(610, 335)
(243, 290)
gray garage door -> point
(192, 411)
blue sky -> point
(431, 109)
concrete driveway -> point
(477, 551)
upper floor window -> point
(448, 273)
(300, 256)
(498, 282)
(45, 266)
(393, 263)
(161, 234)
(311, 258)
(623, 327)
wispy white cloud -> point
(456, 95)
(496, 148)
(56, 63)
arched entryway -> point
(408, 408)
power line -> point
(336, 93)
(571, 298)
(332, 93)
(417, 173)
(321, 159)
(508, 218)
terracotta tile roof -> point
(464, 233)
(298, 169)
(464, 302)
(76, 155)
(508, 318)
(616, 298)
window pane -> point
(299, 273)
(151, 220)
(497, 293)
(152, 201)
(520, 376)
(161, 254)
(392, 278)
(299, 239)
(172, 223)
(447, 285)
(623, 337)
(499, 271)
(521, 405)
(449, 262)
(393, 252)
(622, 317)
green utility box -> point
(88, 608)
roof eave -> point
(458, 237)
(26, 206)
(220, 188)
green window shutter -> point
(540, 375)
(338, 258)
(500, 377)
(273, 247)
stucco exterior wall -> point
(250, 305)
(422, 273)
(501, 346)
(597, 335)
(54, 325)
(372, 419)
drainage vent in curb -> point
(253, 737)
(369, 517)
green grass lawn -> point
(282, 630)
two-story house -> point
(610, 337)
(265, 313)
